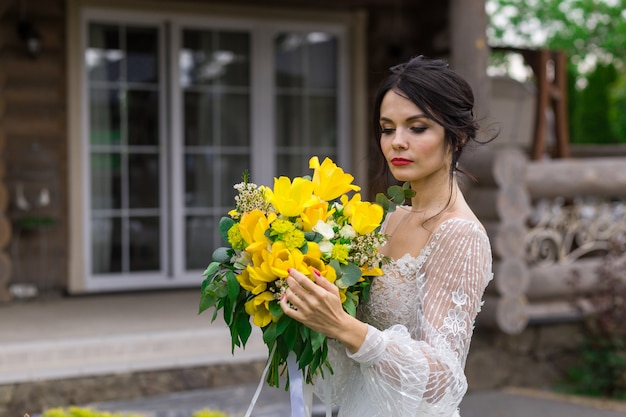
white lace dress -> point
(421, 316)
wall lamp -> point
(30, 36)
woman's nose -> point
(399, 139)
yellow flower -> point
(294, 239)
(364, 216)
(259, 309)
(340, 252)
(312, 260)
(251, 284)
(312, 214)
(371, 272)
(291, 198)
(330, 181)
(235, 238)
(280, 226)
(252, 227)
(269, 265)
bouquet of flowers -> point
(307, 223)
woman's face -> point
(414, 145)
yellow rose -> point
(330, 181)
(259, 309)
(291, 198)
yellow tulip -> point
(251, 284)
(330, 181)
(371, 272)
(311, 215)
(252, 227)
(259, 309)
(364, 216)
(291, 198)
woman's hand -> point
(318, 306)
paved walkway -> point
(102, 334)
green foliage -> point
(590, 120)
(86, 412)
(617, 108)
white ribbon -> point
(255, 397)
(299, 406)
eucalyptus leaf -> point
(221, 256)
(211, 270)
(224, 226)
(350, 274)
(396, 194)
(313, 237)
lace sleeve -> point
(423, 375)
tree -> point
(590, 31)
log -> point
(511, 277)
(569, 178)
(506, 313)
(513, 203)
(478, 163)
(556, 311)
(509, 167)
(566, 280)
(509, 240)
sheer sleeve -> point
(410, 373)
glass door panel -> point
(125, 158)
(214, 67)
(306, 68)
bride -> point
(404, 354)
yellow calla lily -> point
(291, 198)
(330, 181)
(259, 309)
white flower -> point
(325, 246)
(347, 232)
(324, 230)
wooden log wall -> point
(500, 199)
(32, 111)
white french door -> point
(179, 107)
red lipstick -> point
(400, 161)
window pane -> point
(145, 242)
(198, 118)
(199, 180)
(104, 116)
(143, 181)
(322, 61)
(142, 57)
(233, 167)
(289, 60)
(323, 117)
(233, 55)
(235, 120)
(200, 232)
(143, 118)
(104, 54)
(293, 165)
(289, 123)
(106, 249)
(196, 58)
(106, 181)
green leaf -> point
(275, 309)
(396, 194)
(211, 269)
(269, 334)
(233, 286)
(244, 328)
(206, 301)
(221, 256)
(290, 335)
(350, 274)
(224, 226)
(313, 237)
(282, 324)
(350, 304)
(306, 356)
(317, 339)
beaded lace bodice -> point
(421, 314)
